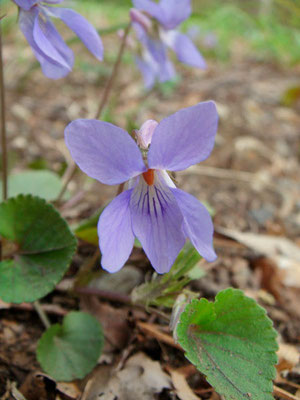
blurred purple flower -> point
(208, 39)
(168, 15)
(152, 208)
(55, 57)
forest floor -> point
(251, 181)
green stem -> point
(104, 100)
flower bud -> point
(144, 135)
(140, 18)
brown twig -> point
(47, 308)
(284, 394)
(68, 176)
(153, 331)
(105, 97)
(114, 73)
(3, 130)
(3, 124)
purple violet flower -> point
(152, 209)
(157, 37)
(55, 57)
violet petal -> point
(198, 224)
(169, 13)
(184, 48)
(103, 151)
(149, 7)
(82, 28)
(174, 12)
(184, 138)
(25, 4)
(157, 223)
(148, 72)
(116, 238)
(157, 57)
(51, 68)
(50, 42)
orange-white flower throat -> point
(149, 176)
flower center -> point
(149, 176)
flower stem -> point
(3, 124)
(114, 74)
(41, 313)
(69, 174)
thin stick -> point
(114, 73)
(68, 176)
(3, 131)
(47, 308)
(41, 313)
(72, 168)
(154, 331)
(3, 124)
(284, 394)
(36, 304)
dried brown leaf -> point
(183, 391)
(141, 378)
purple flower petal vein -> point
(151, 208)
(156, 26)
(55, 57)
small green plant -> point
(70, 350)
(232, 342)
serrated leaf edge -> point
(240, 293)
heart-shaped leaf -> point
(70, 351)
(233, 343)
(41, 249)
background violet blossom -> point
(168, 15)
(55, 57)
(152, 209)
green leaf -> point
(163, 289)
(43, 183)
(87, 230)
(89, 235)
(42, 248)
(233, 343)
(71, 350)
